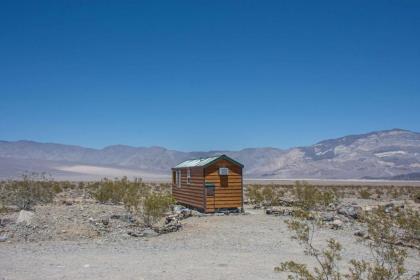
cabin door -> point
(210, 195)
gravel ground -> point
(212, 247)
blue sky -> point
(202, 75)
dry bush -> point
(267, 195)
(416, 196)
(364, 193)
(149, 201)
(154, 206)
(31, 190)
(388, 257)
(309, 197)
(119, 190)
(255, 195)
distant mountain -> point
(382, 154)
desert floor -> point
(211, 247)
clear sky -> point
(201, 75)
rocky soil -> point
(207, 247)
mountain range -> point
(381, 154)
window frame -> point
(188, 176)
(224, 168)
(178, 178)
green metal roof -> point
(203, 162)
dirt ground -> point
(211, 247)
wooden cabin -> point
(209, 184)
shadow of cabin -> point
(209, 184)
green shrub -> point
(149, 201)
(387, 262)
(416, 196)
(31, 190)
(154, 206)
(117, 190)
(134, 194)
(255, 195)
(309, 197)
(364, 193)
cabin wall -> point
(228, 189)
(193, 193)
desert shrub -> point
(134, 194)
(255, 195)
(408, 220)
(309, 197)
(115, 191)
(379, 193)
(387, 257)
(31, 190)
(364, 193)
(154, 206)
(149, 201)
(384, 231)
(416, 196)
(267, 195)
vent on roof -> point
(223, 171)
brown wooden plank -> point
(193, 197)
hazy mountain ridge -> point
(380, 154)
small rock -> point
(4, 221)
(68, 202)
(25, 217)
(3, 238)
(128, 218)
(336, 224)
(361, 233)
(389, 207)
(195, 213)
(347, 211)
(148, 232)
(134, 234)
(327, 217)
(105, 221)
(186, 212)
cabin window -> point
(188, 176)
(178, 178)
(224, 171)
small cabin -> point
(209, 184)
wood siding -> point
(228, 189)
(190, 193)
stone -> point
(389, 207)
(134, 234)
(337, 224)
(25, 217)
(196, 213)
(68, 202)
(128, 218)
(148, 232)
(105, 221)
(3, 238)
(361, 233)
(5, 221)
(172, 227)
(186, 213)
(327, 217)
(347, 211)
